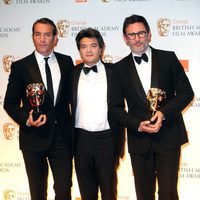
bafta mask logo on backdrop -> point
(63, 27)
(163, 25)
(107, 58)
(9, 130)
(7, 60)
(9, 195)
(8, 2)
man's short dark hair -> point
(135, 19)
(45, 21)
(89, 33)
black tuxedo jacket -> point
(17, 105)
(167, 74)
(117, 129)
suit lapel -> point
(76, 76)
(135, 78)
(154, 71)
(34, 70)
(108, 71)
(154, 75)
(62, 72)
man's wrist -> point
(27, 122)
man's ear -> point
(125, 39)
(56, 39)
(102, 50)
(149, 36)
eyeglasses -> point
(140, 34)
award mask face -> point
(35, 93)
(155, 99)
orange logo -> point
(185, 64)
(80, 1)
(78, 62)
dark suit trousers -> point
(160, 164)
(60, 162)
(96, 164)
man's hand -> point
(148, 127)
(37, 123)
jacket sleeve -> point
(183, 92)
(118, 104)
(13, 96)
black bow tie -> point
(139, 59)
(88, 69)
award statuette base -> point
(36, 115)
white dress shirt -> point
(92, 107)
(144, 70)
(54, 68)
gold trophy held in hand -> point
(155, 99)
(35, 93)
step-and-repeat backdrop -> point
(175, 25)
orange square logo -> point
(80, 1)
(78, 62)
(185, 64)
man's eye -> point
(48, 35)
(37, 34)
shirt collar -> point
(148, 52)
(40, 57)
(98, 64)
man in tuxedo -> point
(46, 141)
(154, 141)
(98, 138)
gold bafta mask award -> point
(155, 100)
(35, 93)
